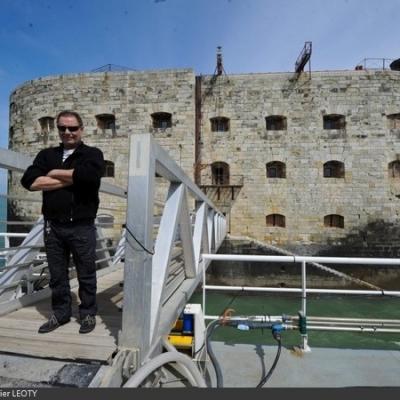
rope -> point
(320, 266)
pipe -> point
(165, 358)
(366, 320)
(349, 329)
(299, 290)
(295, 259)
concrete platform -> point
(244, 365)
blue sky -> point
(48, 37)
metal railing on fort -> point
(309, 322)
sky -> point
(50, 37)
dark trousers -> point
(61, 240)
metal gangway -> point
(144, 282)
(171, 234)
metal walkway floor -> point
(18, 329)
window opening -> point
(334, 121)
(276, 123)
(220, 173)
(334, 169)
(334, 221)
(276, 220)
(276, 169)
(219, 124)
(161, 120)
(394, 121)
(394, 169)
(46, 124)
(109, 171)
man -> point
(69, 177)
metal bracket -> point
(122, 368)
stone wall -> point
(367, 197)
(131, 97)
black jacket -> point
(78, 201)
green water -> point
(326, 306)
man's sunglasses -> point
(63, 128)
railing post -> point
(304, 336)
(139, 245)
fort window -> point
(275, 220)
(109, 170)
(46, 124)
(334, 221)
(106, 121)
(334, 121)
(219, 124)
(220, 173)
(276, 123)
(394, 169)
(161, 120)
(334, 169)
(394, 121)
(276, 169)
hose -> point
(165, 358)
(218, 373)
(179, 367)
(263, 380)
(276, 329)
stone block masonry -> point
(365, 197)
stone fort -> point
(308, 162)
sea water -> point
(344, 306)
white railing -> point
(314, 323)
(161, 273)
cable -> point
(137, 241)
(262, 382)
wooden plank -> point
(55, 350)
(32, 326)
(19, 329)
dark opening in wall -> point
(394, 169)
(275, 220)
(219, 124)
(334, 121)
(109, 170)
(46, 124)
(220, 173)
(334, 221)
(276, 123)
(106, 121)
(161, 120)
(334, 169)
(276, 169)
(393, 121)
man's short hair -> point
(69, 113)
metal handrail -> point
(304, 290)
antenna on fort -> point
(304, 58)
(219, 69)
